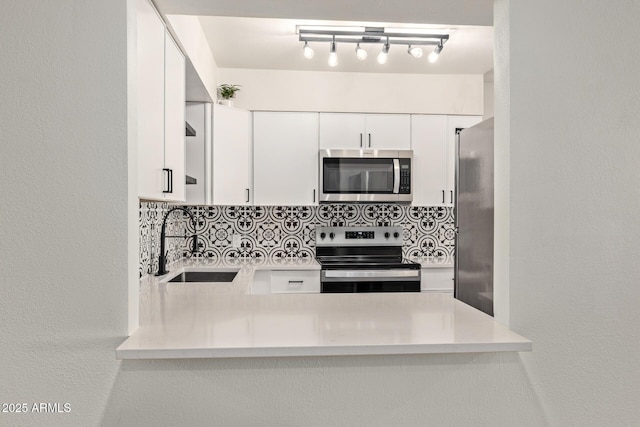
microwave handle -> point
(396, 176)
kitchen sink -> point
(205, 276)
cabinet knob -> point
(332, 235)
(323, 235)
(396, 234)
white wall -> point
(574, 247)
(488, 95)
(194, 44)
(355, 92)
(575, 204)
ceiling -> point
(266, 43)
(442, 12)
(261, 34)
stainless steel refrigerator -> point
(473, 272)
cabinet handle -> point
(314, 196)
(296, 282)
(247, 196)
(442, 196)
(360, 140)
(168, 181)
(369, 140)
(451, 196)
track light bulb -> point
(361, 54)
(333, 56)
(382, 56)
(433, 56)
(416, 52)
(307, 51)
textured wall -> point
(574, 200)
(574, 245)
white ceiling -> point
(264, 43)
(259, 34)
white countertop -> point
(210, 320)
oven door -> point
(353, 281)
(359, 176)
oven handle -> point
(368, 275)
(396, 176)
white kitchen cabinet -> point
(160, 87)
(150, 100)
(363, 131)
(174, 123)
(285, 158)
(454, 123)
(231, 156)
(388, 131)
(433, 141)
(295, 281)
(286, 282)
(437, 279)
(429, 145)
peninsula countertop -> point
(217, 320)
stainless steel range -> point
(364, 259)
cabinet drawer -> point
(437, 280)
(295, 281)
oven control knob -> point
(396, 234)
(323, 235)
(386, 235)
(332, 235)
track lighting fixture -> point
(384, 53)
(433, 56)
(416, 52)
(333, 56)
(414, 39)
(307, 51)
(361, 54)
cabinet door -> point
(285, 158)
(150, 100)
(429, 145)
(231, 156)
(388, 131)
(342, 130)
(174, 129)
(295, 282)
(453, 123)
(437, 279)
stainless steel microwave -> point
(365, 175)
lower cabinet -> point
(437, 279)
(286, 282)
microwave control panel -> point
(405, 176)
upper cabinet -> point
(231, 156)
(429, 145)
(285, 158)
(365, 131)
(174, 119)
(433, 141)
(160, 88)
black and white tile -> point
(150, 225)
(286, 232)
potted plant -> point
(227, 93)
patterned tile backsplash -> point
(287, 231)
